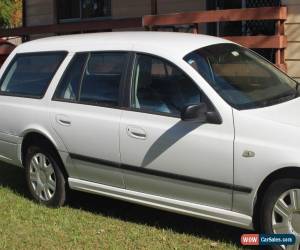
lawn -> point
(93, 222)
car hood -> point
(287, 113)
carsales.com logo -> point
(268, 239)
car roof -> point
(178, 44)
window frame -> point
(16, 57)
(129, 87)
(121, 86)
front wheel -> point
(44, 177)
(280, 210)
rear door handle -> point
(136, 132)
(63, 120)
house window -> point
(68, 9)
(76, 10)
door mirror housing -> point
(200, 113)
(196, 112)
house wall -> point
(137, 8)
(130, 8)
(292, 30)
(40, 12)
(134, 8)
(171, 6)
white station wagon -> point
(187, 123)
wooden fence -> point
(277, 41)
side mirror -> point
(197, 112)
(200, 113)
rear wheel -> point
(280, 210)
(44, 177)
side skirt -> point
(176, 206)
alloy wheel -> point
(286, 216)
(42, 177)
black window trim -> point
(17, 55)
(129, 84)
(121, 86)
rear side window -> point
(29, 75)
(93, 78)
(102, 78)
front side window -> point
(159, 86)
(242, 78)
(29, 75)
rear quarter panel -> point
(20, 116)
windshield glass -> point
(242, 78)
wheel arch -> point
(34, 137)
(286, 172)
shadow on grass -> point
(13, 178)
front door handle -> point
(136, 132)
(63, 120)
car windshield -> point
(241, 77)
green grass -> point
(93, 222)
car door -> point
(165, 156)
(85, 114)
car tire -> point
(281, 193)
(44, 177)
